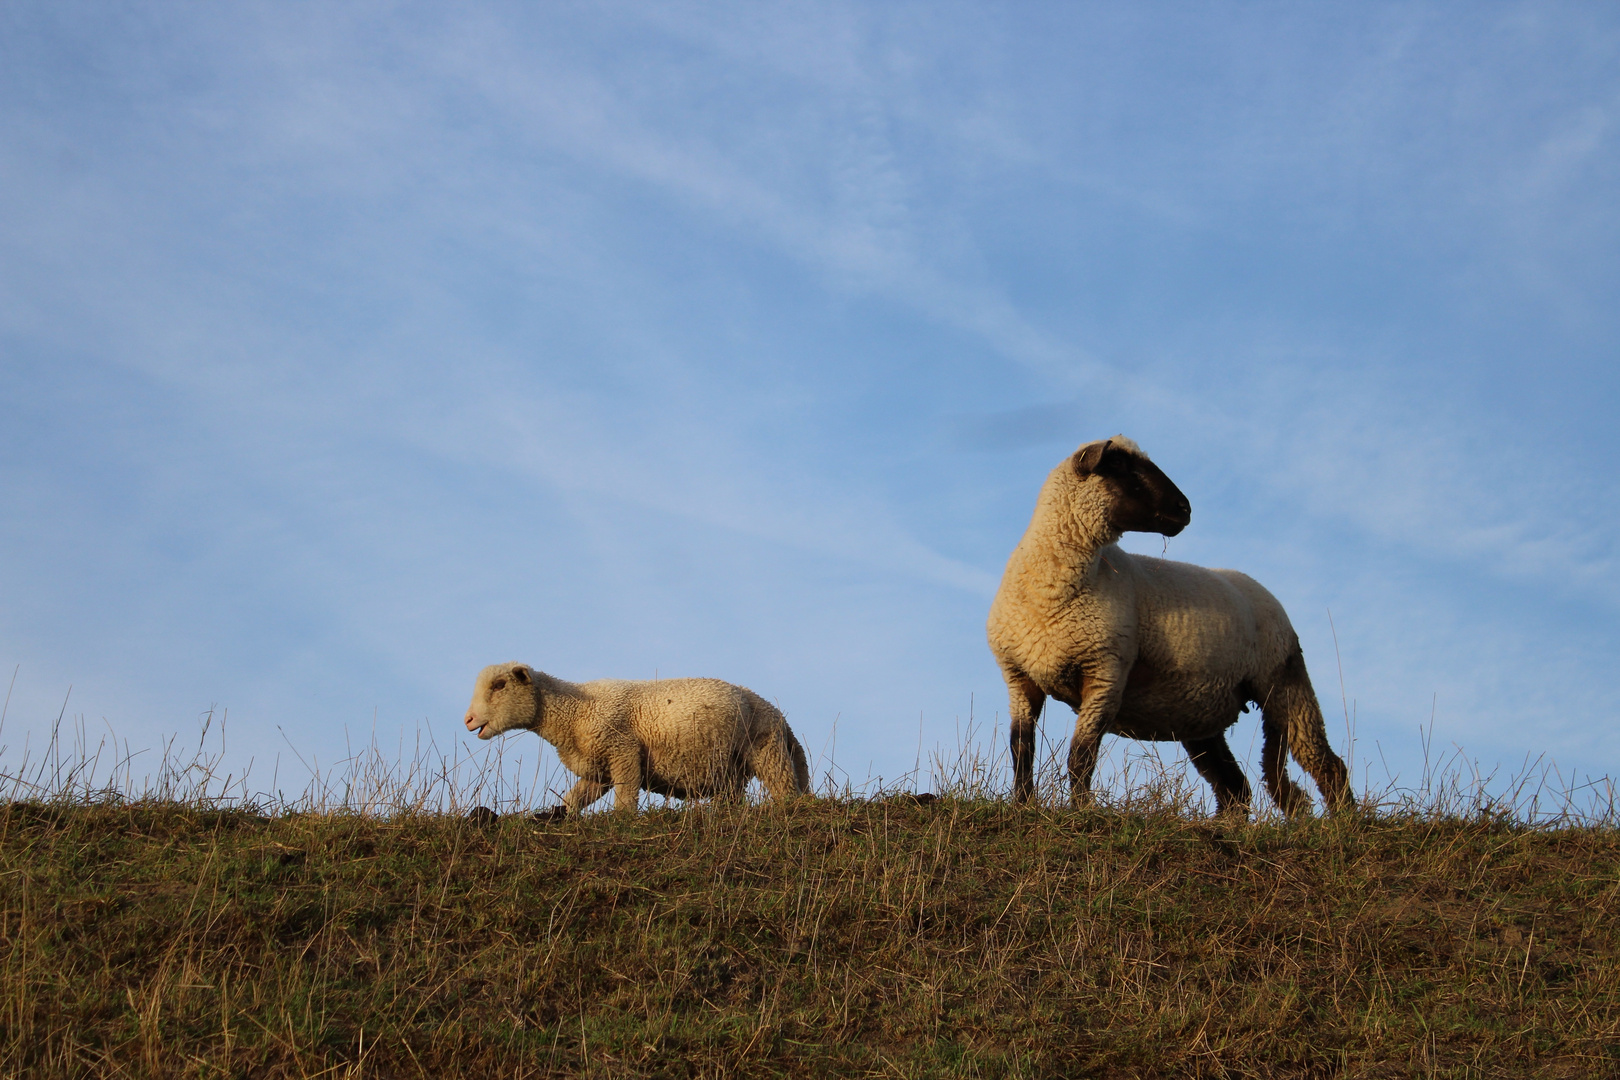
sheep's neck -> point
(564, 703)
(1075, 551)
(1077, 567)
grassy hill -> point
(837, 937)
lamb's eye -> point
(498, 684)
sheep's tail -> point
(1292, 721)
(778, 759)
(801, 764)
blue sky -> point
(346, 348)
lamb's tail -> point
(801, 765)
(778, 759)
(1292, 721)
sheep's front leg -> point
(582, 795)
(626, 767)
(1026, 701)
(1099, 704)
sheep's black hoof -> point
(482, 816)
(921, 799)
(556, 813)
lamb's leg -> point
(624, 763)
(583, 794)
(1099, 704)
(1213, 759)
(1026, 700)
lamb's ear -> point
(1087, 458)
(520, 675)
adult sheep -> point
(1144, 647)
(686, 738)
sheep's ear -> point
(1087, 458)
(520, 675)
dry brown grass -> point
(187, 935)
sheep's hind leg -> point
(1307, 741)
(1274, 764)
(1294, 703)
(1025, 700)
(626, 767)
(1213, 759)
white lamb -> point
(1145, 647)
(685, 738)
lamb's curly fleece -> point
(686, 738)
(1144, 647)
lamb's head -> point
(1137, 494)
(504, 698)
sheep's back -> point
(1194, 619)
(693, 730)
(1205, 639)
(1191, 616)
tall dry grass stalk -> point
(80, 766)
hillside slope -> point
(835, 938)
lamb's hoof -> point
(556, 813)
(921, 799)
(482, 816)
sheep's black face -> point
(1145, 500)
